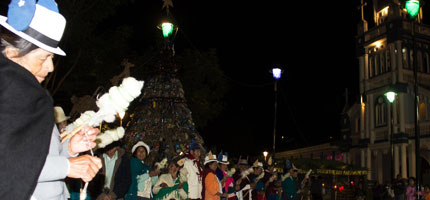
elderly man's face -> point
(38, 62)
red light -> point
(352, 183)
(341, 188)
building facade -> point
(377, 134)
(383, 133)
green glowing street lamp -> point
(390, 96)
(167, 29)
(412, 8)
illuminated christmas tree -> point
(162, 118)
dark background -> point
(312, 41)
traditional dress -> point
(212, 186)
(171, 191)
(139, 174)
(228, 186)
(194, 175)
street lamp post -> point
(265, 153)
(391, 96)
(412, 8)
(277, 75)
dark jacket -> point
(399, 187)
(121, 179)
(26, 124)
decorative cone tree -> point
(162, 118)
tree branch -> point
(68, 72)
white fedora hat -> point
(210, 158)
(59, 115)
(40, 24)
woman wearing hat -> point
(141, 174)
(34, 161)
(211, 185)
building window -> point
(426, 62)
(380, 112)
(371, 67)
(376, 64)
(388, 60)
(357, 125)
(422, 111)
(420, 63)
(405, 58)
(382, 62)
(411, 58)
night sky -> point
(313, 41)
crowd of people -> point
(35, 162)
(188, 176)
(400, 189)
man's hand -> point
(78, 143)
(84, 167)
(163, 185)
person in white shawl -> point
(170, 185)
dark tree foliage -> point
(99, 36)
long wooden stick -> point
(77, 129)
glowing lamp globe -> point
(167, 29)
(391, 96)
(412, 7)
(276, 73)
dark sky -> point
(313, 41)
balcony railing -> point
(424, 129)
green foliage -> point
(204, 84)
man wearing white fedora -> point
(34, 162)
(60, 118)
